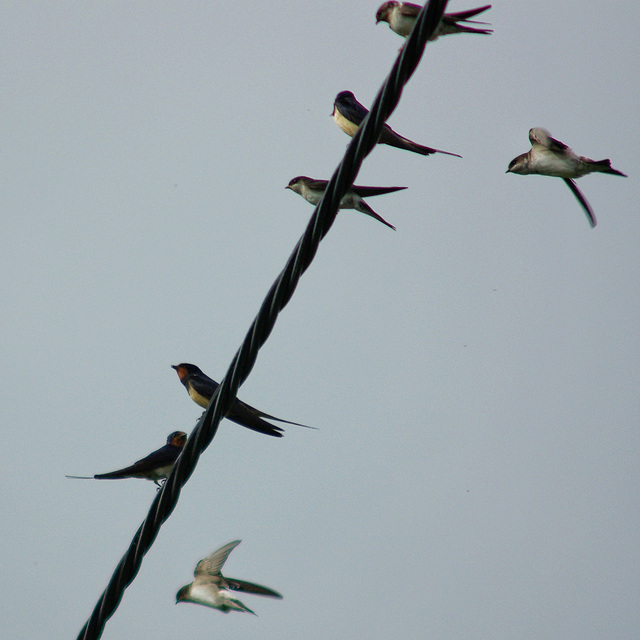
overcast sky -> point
(474, 375)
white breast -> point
(548, 163)
(402, 24)
(206, 595)
(346, 125)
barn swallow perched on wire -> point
(402, 16)
(312, 190)
(348, 114)
(211, 589)
(155, 466)
(201, 387)
(550, 157)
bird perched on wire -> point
(402, 16)
(312, 190)
(201, 388)
(550, 157)
(211, 589)
(156, 466)
(348, 114)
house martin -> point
(311, 190)
(201, 388)
(156, 466)
(348, 114)
(402, 16)
(211, 589)
(550, 157)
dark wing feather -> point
(203, 384)
(366, 192)
(249, 417)
(165, 455)
(393, 139)
(241, 413)
(540, 136)
(363, 207)
(465, 15)
(249, 587)
(409, 10)
(350, 108)
(556, 145)
(161, 458)
(241, 410)
(317, 185)
(581, 199)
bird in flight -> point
(550, 157)
(211, 589)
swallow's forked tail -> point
(297, 424)
(604, 166)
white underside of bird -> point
(216, 598)
(346, 125)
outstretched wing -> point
(539, 136)
(249, 587)
(210, 566)
(581, 199)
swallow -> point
(550, 157)
(211, 589)
(402, 16)
(349, 114)
(156, 466)
(201, 387)
(311, 190)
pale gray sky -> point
(474, 375)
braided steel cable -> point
(279, 295)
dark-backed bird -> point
(550, 157)
(348, 114)
(312, 190)
(201, 388)
(156, 466)
(211, 589)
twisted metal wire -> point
(277, 298)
